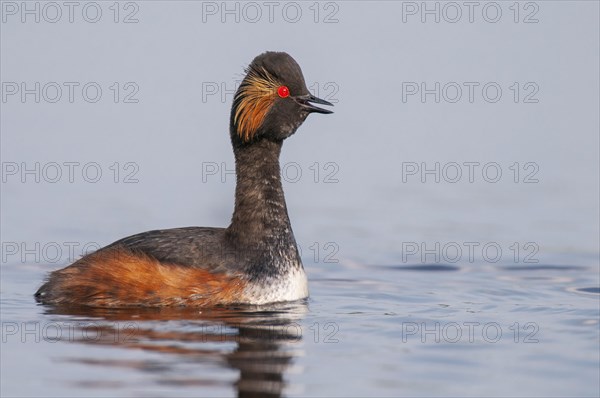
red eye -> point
(283, 91)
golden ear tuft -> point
(253, 100)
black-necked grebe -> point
(253, 261)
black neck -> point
(260, 218)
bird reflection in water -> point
(266, 339)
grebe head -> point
(272, 101)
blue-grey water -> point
(447, 212)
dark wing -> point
(199, 247)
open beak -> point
(305, 102)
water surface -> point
(366, 330)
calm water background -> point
(482, 285)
